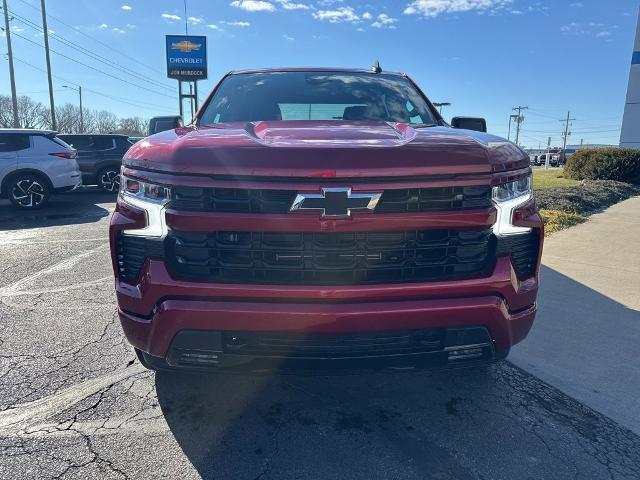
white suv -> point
(33, 165)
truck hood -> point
(324, 149)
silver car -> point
(35, 164)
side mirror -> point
(160, 124)
(470, 123)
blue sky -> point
(484, 56)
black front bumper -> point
(254, 352)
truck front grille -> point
(241, 200)
(330, 258)
(292, 345)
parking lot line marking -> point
(64, 288)
(20, 417)
(65, 264)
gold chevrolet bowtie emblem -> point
(186, 46)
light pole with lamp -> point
(79, 90)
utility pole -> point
(54, 125)
(566, 133)
(12, 77)
(79, 90)
(511, 117)
(519, 120)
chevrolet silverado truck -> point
(321, 218)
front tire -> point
(27, 191)
(109, 179)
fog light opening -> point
(462, 353)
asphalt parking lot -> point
(75, 403)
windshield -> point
(317, 96)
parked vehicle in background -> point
(100, 158)
(133, 140)
(554, 159)
(33, 165)
(534, 159)
(317, 218)
(162, 124)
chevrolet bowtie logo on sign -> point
(335, 202)
(186, 57)
(186, 46)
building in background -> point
(630, 136)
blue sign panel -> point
(186, 57)
(635, 60)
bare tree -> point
(106, 122)
(31, 114)
(132, 126)
(6, 112)
(68, 117)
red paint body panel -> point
(305, 156)
(155, 335)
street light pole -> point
(12, 77)
(79, 90)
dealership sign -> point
(186, 57)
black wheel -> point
(28, 191)
(150, 362)
(109, 179)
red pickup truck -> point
(320, 218)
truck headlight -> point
(150, 197)
(507, 197)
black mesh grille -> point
(237, 200)
(132, 251)
(524, 251)
(434, 199)
(234, 200)
(287, 345)
(330, 258)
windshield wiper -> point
(422, 125)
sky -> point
(483, 56)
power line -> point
(96, 69)
(89, 53)
(110, 47)
(134, 103)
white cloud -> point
(171, 17)
(126, 8)
(384, 21)
(103, 25)
(342, 14)
(287, 37)
(576, 4)
(117, 30)
(214, 27)
(327, 3)
(433, 8)
(195, 20)
(367, 16)
(253, 5)
(237, 24)
(597, 29)
(130, 26)
(289, 5)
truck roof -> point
(312, 69)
